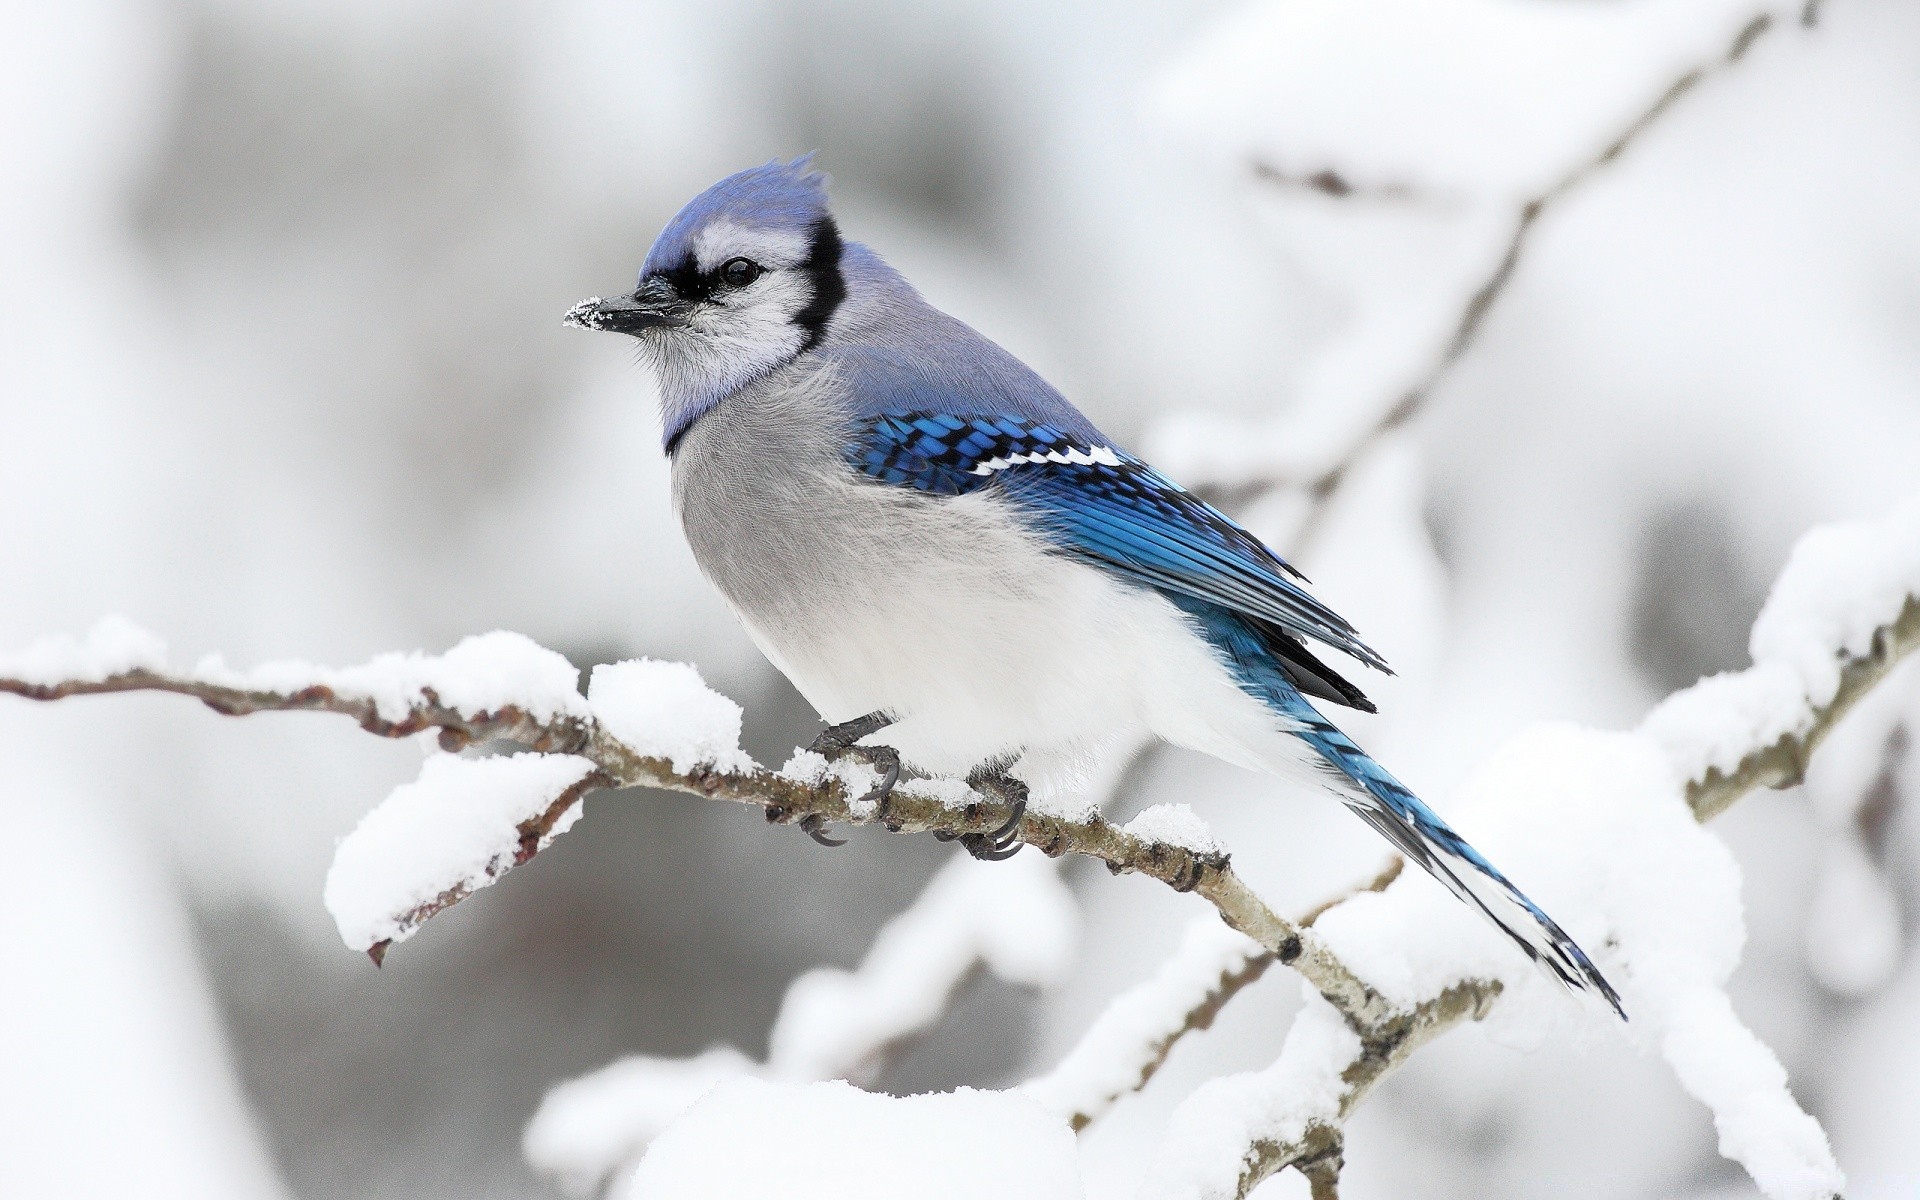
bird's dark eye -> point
(739, 272)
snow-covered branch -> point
(1389, 106)
(642, 724)
(1783, 762)
(1015, 919)
(1842, 616)
(1610, 820)
(1128, 1044)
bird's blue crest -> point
(778, 196)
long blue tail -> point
(1418, 832)
(1261, 666)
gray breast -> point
(865, 595)
(763, 496)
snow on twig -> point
(464, 823)
(1019, 923)
(1392, 967)
(1131, 1039)
(1016, 919)
(1535, 104)
(1841, 617)
(1133, 1035)
(1610, 821)
(503, 687)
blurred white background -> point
(282, 374)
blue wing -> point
(1105, 505)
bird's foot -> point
(839, 741)
(1004, 842)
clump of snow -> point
(1176, 825)
(484, 673)
(807, 766)
(1107, 1061)
(586, 1128)
(832, 1141)
(112, 647)
(856, 778)
(1017, 917)
(1207, 1139)
(1593, 826)
(666, 710)
(1841, 583)
(456, 828)
(1443, 98)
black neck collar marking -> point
(829, 286)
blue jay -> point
(927, 538)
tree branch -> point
(405, 696)
(1385, 1044)
(784, 799)
(1327, 478)
(1784, 763)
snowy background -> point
(282, 375)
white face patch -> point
(1101, 455)
(736, 335)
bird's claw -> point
(815, 826)
(997, 844)
(840, 741)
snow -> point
(832, 1141)
(113, 646)
(1594, 827)
(587, 1127)
(455, 829)
(1207, 1139)
(1015, 917)
(857, 779)
(666, 710)
(1107, 1061)
(1448, 98)
(483, 673)
(1840, 584)
(1176, 825)
(1430, 125)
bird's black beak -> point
(654, 306)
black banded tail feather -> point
(1392, 809)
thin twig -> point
(1480, 302)
(1386, 1044)
(1784, 763)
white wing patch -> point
(1101, 455)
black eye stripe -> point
(689, 280)
(692, 283)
